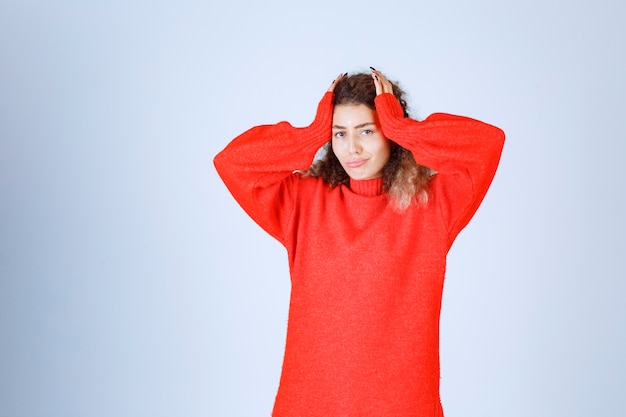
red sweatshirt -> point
(366, 279)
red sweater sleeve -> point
(464, 152)
(258, 166)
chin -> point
(362, 177)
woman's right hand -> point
(334, 83)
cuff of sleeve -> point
(318, 132)
(390, 114)
(388, 104)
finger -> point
(386, 85)
(335, 81)
(377, 81)
(383, 85)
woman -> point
(367, 229)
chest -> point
(366, 233)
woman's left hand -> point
(383, 85)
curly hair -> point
(403, 179)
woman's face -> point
(358, 141)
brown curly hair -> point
(403, 178)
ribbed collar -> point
(368, 188)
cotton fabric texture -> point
(366, 279)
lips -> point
(355, 163)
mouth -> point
(355, 163)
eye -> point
(367, 132)
(339, 134)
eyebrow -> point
(356, 127)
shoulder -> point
(307, 182)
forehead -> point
(347, 115)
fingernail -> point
(345, 75)
(373, 69)
(376, 76)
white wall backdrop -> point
(131, 284)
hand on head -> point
(334, 83)
(383, 85)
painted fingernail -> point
(373, 69)
(345, 74)
(376, 76)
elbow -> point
(494, 147)
(220, 162)
(217, 161)
(501, 136)
(501, 140)
(498, 134)
(497, 140)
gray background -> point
(131, 284)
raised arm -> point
(464, 152)
(257, 166)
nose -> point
(355, 145)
